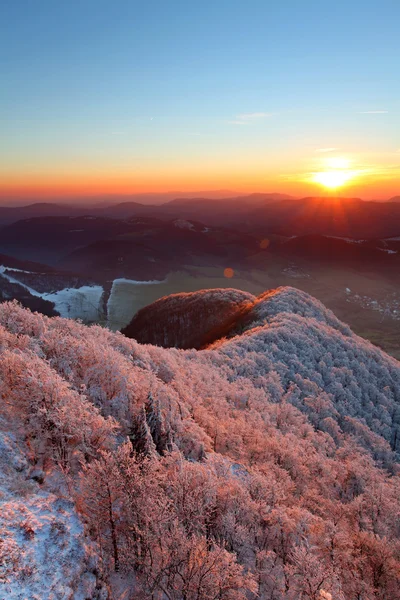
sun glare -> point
(336, 173)
(333, 179)
(337, 163)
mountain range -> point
(344, 251)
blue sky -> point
(119, 87)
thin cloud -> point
(374, 112)
(326, 149)
(247, 118)
(253, 116)
(196, 134)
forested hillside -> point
(264, 466)
(189, 320)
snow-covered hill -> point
(265, 466)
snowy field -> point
(74, 303)
(81, 303)
(127, 296)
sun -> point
(333, 179)
(336, 173)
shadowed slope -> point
(189, 320)
(198, 319)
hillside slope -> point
(265, 466)
(189, 320)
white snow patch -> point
(126, 298)
(72, 303)
(135, 282)
(295, 272)
(183, 224)
(388, 251)
(345, 239)
(3, 268)
(44, 553)
(46, 548)
(13, 280)
(78, 303)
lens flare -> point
(264, 244)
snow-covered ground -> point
(183, 224)
(74, 303)
(345, 239)
(127, 296)
(81, 303)
(388, 251)
(44, 554)
(86, 302)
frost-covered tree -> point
(263, 466)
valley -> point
(103, 269)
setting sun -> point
(336, 173)
(333, 179)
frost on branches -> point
(265, 466)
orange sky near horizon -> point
(125, 98)
(75, 185)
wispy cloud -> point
(253, 116)
(326, 149)
(247, 118)
(197, 134)
(374, 112)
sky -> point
(123, 97)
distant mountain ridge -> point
(271, 213)
(130, 206)
(149, 247)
